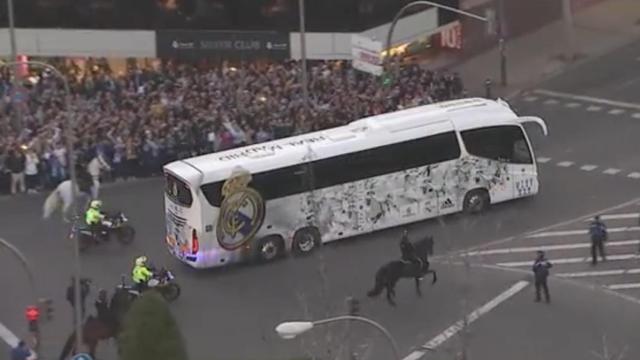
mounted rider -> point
(141, 274)
(408, 250)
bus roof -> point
(358, 135)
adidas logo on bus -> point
(447, 204)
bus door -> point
(522, 164)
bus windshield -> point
(177, 190)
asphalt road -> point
(231, 313)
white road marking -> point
(617, 216)
(531, 249)
(565, 163)
(508, 239)
(572, 105)
(624, 286)
(543, 160)
(616, 111)
(599, 273)
(611, 171)
(575, 260)
(472, 317)
(636, 116)
(594, 108)
(531, 98)
(8, 336)
(551, 102)
(591, 99)
(589, 167)
(634, 175)
(581, 232)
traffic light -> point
(46, 308)
(32, 314)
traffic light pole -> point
(68, 133)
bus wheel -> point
(269, 248)
(306, 240)
(476, 201)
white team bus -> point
(293, 194)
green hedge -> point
(150, 332)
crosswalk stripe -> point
(528, 249)
(594, 108)
(634, 175)
(565, 163)
(576, 260)
(588, 167)
(624, 286)
(611, 171)
(543, 160)
(551, 102)
(617, 216)
(572, 105)
(600, 273)
(616, 111)
(581, 232)
(636, 116)
(531, 98)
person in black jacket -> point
(541, 268)
(16, 162)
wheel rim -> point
(475, 202)
(269, 250)
(307, 243)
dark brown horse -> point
(389, 274)
(95, 330)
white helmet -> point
(141, 261)
(96, 204)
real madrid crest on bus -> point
(241, 212)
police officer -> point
(540, 269)
(94, 218)
(598, 232)
(141, 274)
(408, 251)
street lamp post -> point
(404, 9)
(289, 330)
(14, 52)
(303, 57)
(74, 183)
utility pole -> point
(570, 35)
(303, 58)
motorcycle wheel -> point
(84, 242)
(126, 234)
(171, 292)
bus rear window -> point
(213, 193)
(178, 191)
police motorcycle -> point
(114, 226)
(163, 281)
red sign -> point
(32, 313)
(451, 36)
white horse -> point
(62, 196)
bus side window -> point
(503, 143)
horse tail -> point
(51, 204)
(379, 285)
(68, 346)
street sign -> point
(82, 357)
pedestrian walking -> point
(598, 232)
(21, 352)
(84, 292)
(541, 268)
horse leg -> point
(390, 295)
(435, 276)
(418, 289)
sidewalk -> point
(534, 57)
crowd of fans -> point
(138, 121)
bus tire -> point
(269, 248)
(306, 240)
(476, 201)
